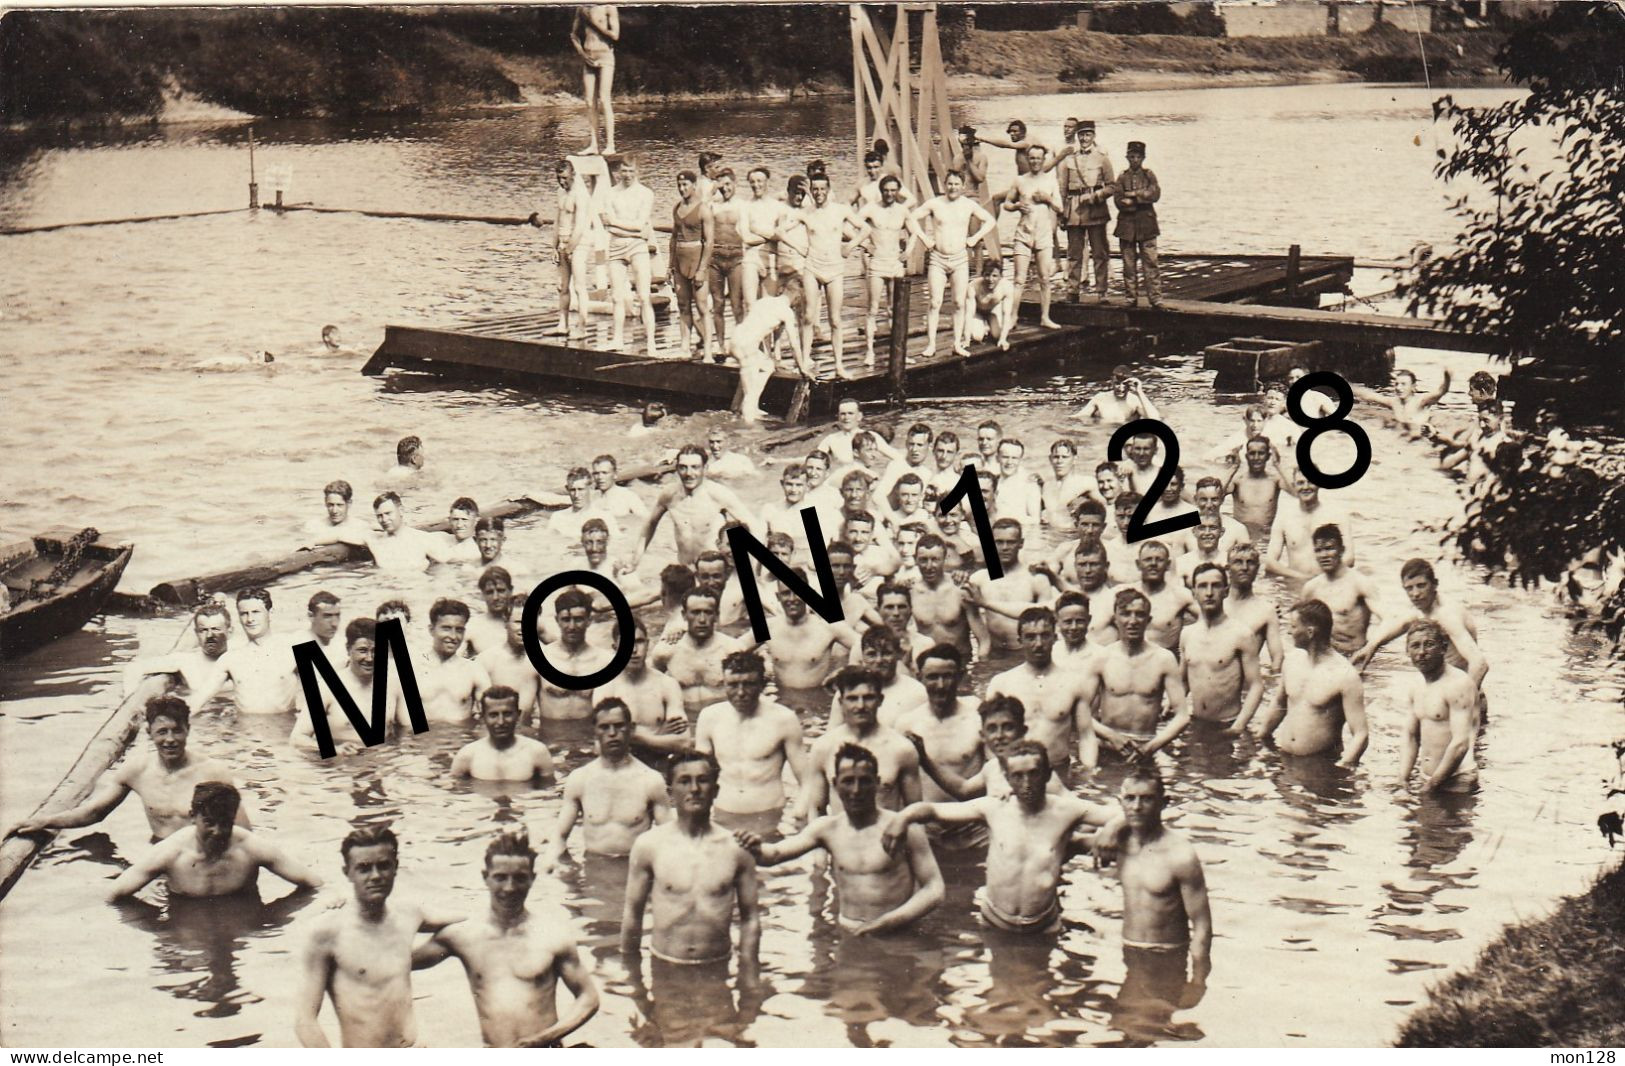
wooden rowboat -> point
(55, 581)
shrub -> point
(1083, 73)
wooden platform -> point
(524, 350)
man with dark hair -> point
(502, 754)
(1121, 402)
(1057, 700)
(1166, 918)
(698, 509)
(361, 656)
(880, 652)
(458, 544)
(571, 655)
(514, 964)
(489, 629)
(1421, 587)
(695, 661)
(449, 683)
(361, 954)
(616, 797)
(260, 669)
(1086, 182)
(1441, 716)
(164, 780)
(1136, 193)
(1351, 595)
(394, 545)
(897, 766)
(1171, 603)
(751, 740)
(323, 610)
(1017, 590)
(210, 857)
(1256, 488)
(1132, 680)
(198, 670)
(1219, 657)
(942, 611)
(409, 461)
(1255, 613)
(894, 602)
(1029, 839)
(336, 497)
(508, 664)
(655, 700)
(876, 891)
(1291, 550)
(804, 648)
(945, 729)
(1319, 692)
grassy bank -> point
(1558, 982)
(117, 66)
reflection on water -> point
(1321, 879)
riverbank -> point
(117, 68)
(1558, 982)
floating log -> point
(103, 750)
(14, 231)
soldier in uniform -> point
(1086, 188)
(1136, 192)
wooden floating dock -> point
(524, 350)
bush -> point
(1083, 73)
(1135, 19)
(1404, 67)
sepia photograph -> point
(813, 525)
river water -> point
(1335, 903)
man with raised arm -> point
(1421, 587)
(1029, 840)
(1441, 722)
(877, 891)
(1057, 700)
(213, 856)
(360, 955)
(514, 963)
(1219, 657)
(1319, 692)
(1133, 680)
(752, 739)
(699, 509)
(615, 797)
(951, 215)
(164, 781)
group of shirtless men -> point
(1123, 648)
(775, 261)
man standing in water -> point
(1350, 594)
(695, 661)
(628, 207)
(1057, 700)
(616, 797)
(1291, 549)
(198, 670)
(1219, 657)
(509, 665)
(1029, 840)
(699, 509)
(336, 497)
(502, 754)
(951, 215)
(876, 891)
(897, 765)
(165, 782)
(1132, 679)
(572, 655)
(1441, 723)
(1421, 587)
(361, 660)
(361, 955)
(750, 739)
(211, 856)
(946, 728)
(1123, 402)
(654, 699)
(1319, 692)
(1256, 489)
(450, 683)
(1166, 919)
(514, 964)
(260, 669)
(1255, 613)
(593, 35)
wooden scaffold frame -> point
(907, 107)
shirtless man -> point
(752, 740)
(450, 684)
(502, 754)
(1133, 679)
(336, 497)
(198, 670)
(755, 339)
(571, 654)
(1291, 546)
(211, 856)
(361, 955)
(489, 629)
(358, 678)
(895, 603)
(1167, 923)
(946, 728)
(1406, 408)
(877, 891)
(489, 534)
(570, 246)
(1057, 700)
(695, 661)
(1208, 497)
(699, 509)
(260, 669)
(951, 215)
(1219, 657)
(457, 544)
(993, 309)
(898, 764)
(881, 652)
(887, 222)
(615, 797)
(164, 781)
(1319, 692)
(941, 611)
(1351, 595)
(727, 255)
(760, 218)
(1122, 403)
(829, 224)
(1021, 492)
(509, 666)
(1067, 487)
(1441, 725)
(1254, 613)
(654, 699)
(1256, 489)
(1171, 603)
(626, 217)
(1421, 587)
(838, 443)
(1140, 466)
(1017, 590)
(696, 874)
(1205, 549)
(785, 517)
(514, 965)
(1029, 840)
(396, 546)
(805, 648)
(1037, 198)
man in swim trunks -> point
(876, 891)
(994, 311)
(1441, 723)
(570, 246)
(593, 35)
(1037, 198)
(755, 339)
(1319, 692)
(693, 234)
(1136, 193)
(628, 207)
(951, 215)
(790, 239)
(212, 856)
(514, 963)
(1219, 656)
(1166, 918)
(828, 226)
(887, 219)
(969, 159)
(1029, 839)
(727, 277)
(759, 222)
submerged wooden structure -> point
(56, 582)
